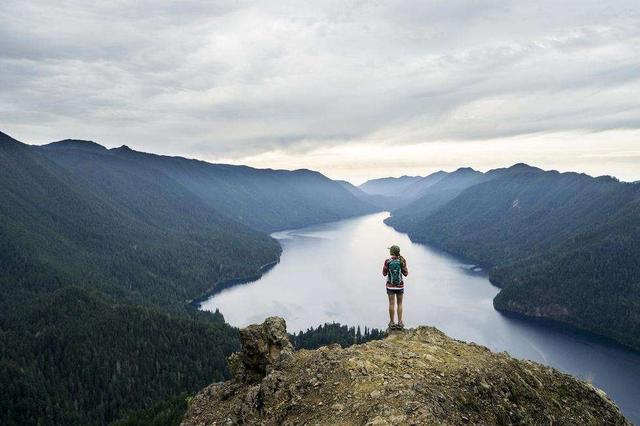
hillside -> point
(433, 194)
(591, 281)
(132, 233)
(563, 246)
(378, 202)
(86, 281)
(418, 376)
(264, 199)
(76, 357)
(101, 251)
(393, 194)
(417, 188)
(389, 186)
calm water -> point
(333, 272)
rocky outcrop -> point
(418, 376)
(264, 347)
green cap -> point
(394, 250)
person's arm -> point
(403, 263)
(385, 268)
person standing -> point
(395, 268)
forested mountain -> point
(389, 186)
(395, 193)
(100, 252)
(561, 245)
(417, 188)
(378, 202)
(435, 193)
(264, 199)
(133, 233)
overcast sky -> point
(354, 89)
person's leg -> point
(399, 296)
(392, 303)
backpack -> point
(395, 270)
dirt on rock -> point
(415, 377)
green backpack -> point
(395, 270)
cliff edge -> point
(417, 376)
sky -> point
(354, 89)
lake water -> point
(333, 273)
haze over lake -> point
(332, 272)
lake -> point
(333, 273)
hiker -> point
(394, 268)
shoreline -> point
(567, 328)
(551, 323)
(223, 285)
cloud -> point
(241, 79)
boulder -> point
(264, 346)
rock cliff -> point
(417, 376)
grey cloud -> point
(240, 78)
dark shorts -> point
(400, 291)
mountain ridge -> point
(74, 144)
(561, 246)
(286, 198)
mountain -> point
(562, 246)
(101, 251)
(389, 186)
(93, 285)
(78, 144)
(394, 194)
(264, 199)
(132, 233)
(379, 202)
(417, 376)
(417, 188)
(434, 194)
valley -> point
(104, 254)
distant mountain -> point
(389, 186)
(379, 202)
(417, 188)
(264, 199)
(77, 144)
(395, 193)
(441, 189)
(563, 246)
